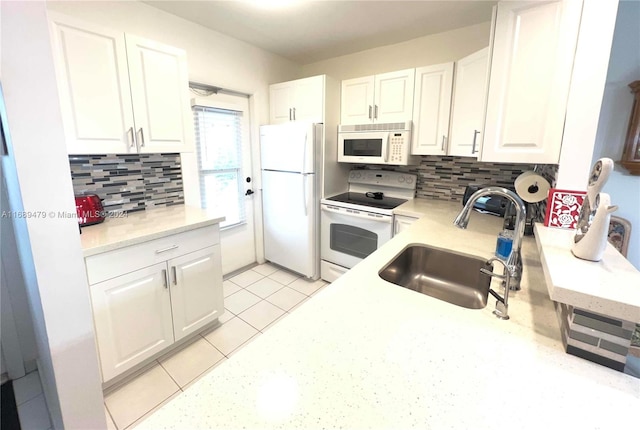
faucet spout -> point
(514, 261)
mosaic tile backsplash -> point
(129, 182)
(445, 178)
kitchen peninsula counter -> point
(120, 230)
(364, 353)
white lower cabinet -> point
(401, 223)
(193, 302)
(140, 313)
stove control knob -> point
(358, 175)
(409, 180)
(401, 179)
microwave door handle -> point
(386, 148)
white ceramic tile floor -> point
(261, 314)
(264, 287)
(229, 288)
(255, 301)
(240, 301)
(32, 407)
(191, 361)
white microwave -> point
(376, 144)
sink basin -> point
(445, 275)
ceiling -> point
(310, 31)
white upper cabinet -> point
(299, 100)
(383, 98)
(357, 100)
(159, 92)
(531, 64)
(469, 104)
(119, 93)
(93, 86)
(431, 109)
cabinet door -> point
(196, 290)
(356, 100)
(401, 223)
(308, 99)
(132, 317)
(431, 110)
(159, 90)
(280, 101)
(93, 83)
(532, 58)
(469, 104)
(394, 96)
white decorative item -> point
(590, 240)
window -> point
(219, 146)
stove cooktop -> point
(363, 200)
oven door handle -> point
(387, 219)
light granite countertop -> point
(364, 353)
(137, 227)
(610, 286)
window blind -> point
(219, 147)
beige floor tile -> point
(299, 304)
(277, 320)
(284, 276)
(240, 301)
(261, 315)
(133, 400)
(231, 335)
(191, 361)
(229, 288)
(265, 269)
(110, 424)
(286, 298)
(246, 278)
(33, 414)
(264, 287)
(226, 316)
(186, 387)
(27, 387)
(251, 339)
(306, 286)
(145, 416)
(326, 284)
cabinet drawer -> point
(124, 260)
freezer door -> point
(290, 213)
(288, 147)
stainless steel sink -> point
(445, 275)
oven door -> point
(348, 236)
(356, 147)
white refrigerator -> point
(291, 159)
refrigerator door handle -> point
(304, 193)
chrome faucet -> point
(514, 262)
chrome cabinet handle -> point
(443, 139)
(375, 112)
(169, 248)
(165, 282)
(289, 114)
(294, 114)
(141, 134)
(175, 276)
(370, 109)
(475, 135)
(130, 137)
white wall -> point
(38, 180)
(624, 68)
(423, 51)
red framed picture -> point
(563, 208)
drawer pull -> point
(175, 276)
(169, 248)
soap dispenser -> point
(590, 239)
